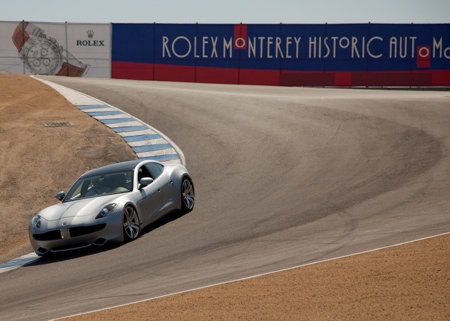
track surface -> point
(284, 176)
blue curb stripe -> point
(116, 120)
(19, 262)
(162, 158)
(151, 148)
(138, 138)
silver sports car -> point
(112, 203)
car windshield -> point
(100, 185)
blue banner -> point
(281, 48)
(350, 47)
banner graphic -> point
(76, 50)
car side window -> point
(144, 172)
(155, 169)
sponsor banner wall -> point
(77, 50)
(263, 54)
(290, 55)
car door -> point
(166, 186)
(150, 197)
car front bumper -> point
(76, 236)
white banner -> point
(76, 50)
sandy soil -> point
(408, 282)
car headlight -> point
(36, 221)
(106, 210)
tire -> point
(131, 225)
(187, 196)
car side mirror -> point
(60, 195)
(145, 181)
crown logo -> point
(90, 33)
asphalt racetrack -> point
(283, 177)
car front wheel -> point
(131, 226)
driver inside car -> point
(98, 187)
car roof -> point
(117, 167)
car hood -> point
(85, 207)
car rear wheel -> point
(131, 226)
(187, 195)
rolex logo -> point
(90, 42)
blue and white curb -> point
(146, 141)
(21, 261)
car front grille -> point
(83, 230)
(73, 232)
(49, 236)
